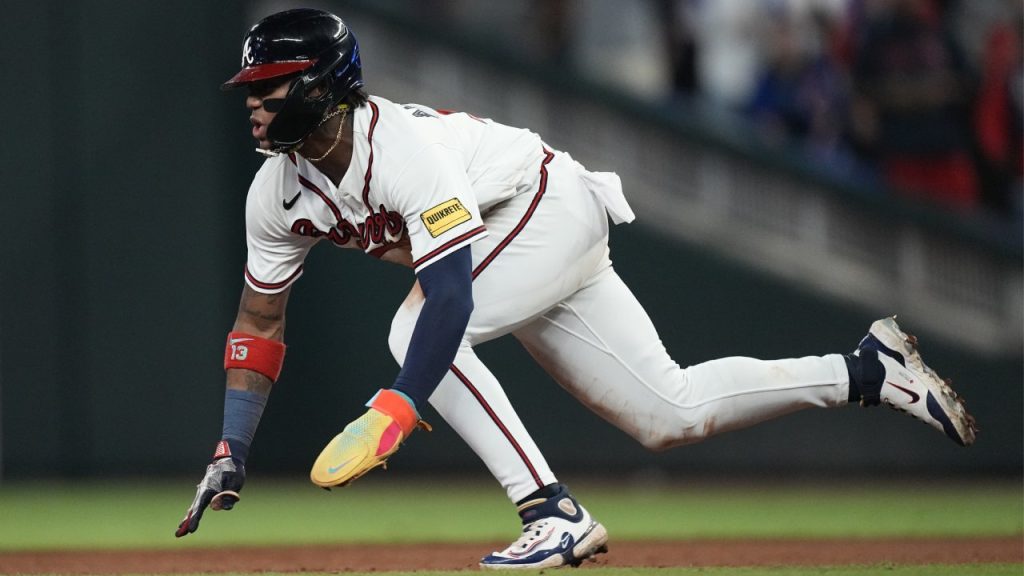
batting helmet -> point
(320, 48)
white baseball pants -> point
(543, 274)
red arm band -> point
(254, 353)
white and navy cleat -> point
(557, 532)
(910, 386)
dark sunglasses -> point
(273, 105)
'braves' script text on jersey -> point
(419, 180)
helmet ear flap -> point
(298, 116)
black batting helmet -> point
(320, 48)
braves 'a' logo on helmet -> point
(247, 57)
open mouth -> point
(258, 130)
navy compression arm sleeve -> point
(448, 287)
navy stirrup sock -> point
(866, 376)
(242, 413)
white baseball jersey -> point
(418, 179)
(424, 181)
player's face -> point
(259, 116)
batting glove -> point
(367, 442)
(218, 490)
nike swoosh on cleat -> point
(334, 469)
(914, 397)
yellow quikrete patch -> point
(445, 216)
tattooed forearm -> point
(262, 314)
(267, 310)
(250, 381)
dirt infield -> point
(343, 558)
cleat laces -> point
(533, 534)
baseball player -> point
(505, 235)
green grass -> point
(144, 514)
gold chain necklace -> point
(343, 110)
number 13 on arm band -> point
(254, 353)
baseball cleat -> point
(911, 386)
(557, 532)
(367, 442)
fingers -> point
(184, 527)
(195, 513)
(187, 526)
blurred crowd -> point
(923, 97)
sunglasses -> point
(273, 105)
(263, 89)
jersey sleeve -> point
(438, 205)
(275, 254)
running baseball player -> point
(505, 235)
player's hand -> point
(218, 491)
